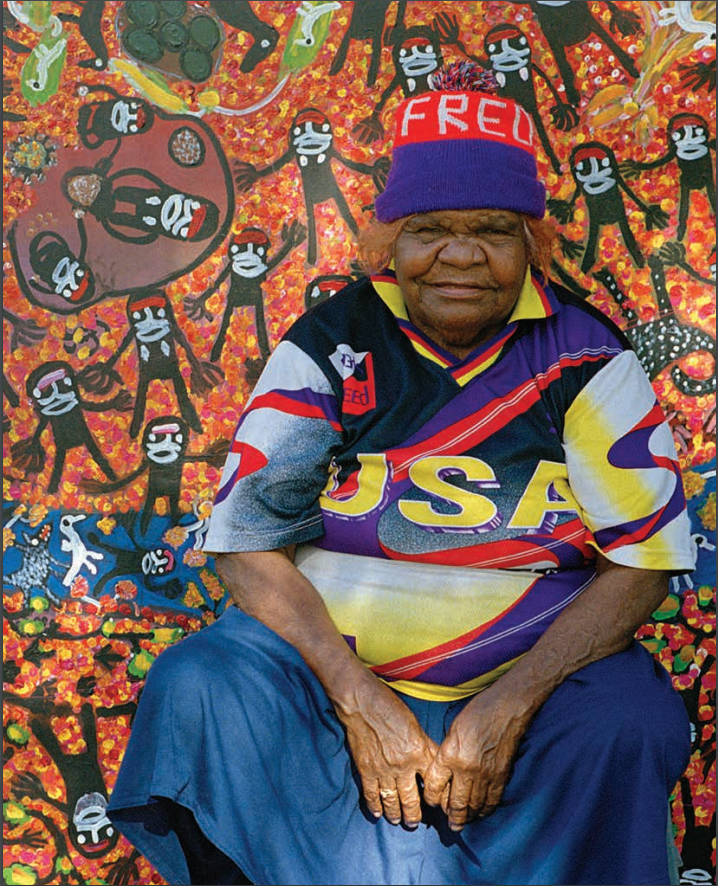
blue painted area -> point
(47, 558)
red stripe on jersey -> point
(288, 405)
(507, 553)
(473, 429)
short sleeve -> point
(623, 470)
(279, 459)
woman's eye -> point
(494, 232)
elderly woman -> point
(450, 502)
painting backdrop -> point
(181, 180)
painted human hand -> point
(368, 130)
(380, 173)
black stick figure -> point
(156, 334)
(53, 388)
(690, 147)
(416, 54)
(247, 269)
(367, 22)
(90, 23)
(695, 76)
(568, 24)
(239, 14)
(91, 832)
(509, 56)
(154, 567)
(597, 176)
(164, 442)
(673, 253)
(58, 270)
(135, 213)
(112, 118)
(311, 147)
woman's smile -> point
(449, 289)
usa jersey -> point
(447, 509)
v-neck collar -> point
(535, 302)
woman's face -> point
(460, 273)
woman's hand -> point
(389, 749)
(388, 746)
(473, 763)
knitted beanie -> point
(461, 147)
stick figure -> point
(311, 148)
(90, 23)
(53, 388)
(509, 55)
(566, 24)
(113, 118)
(164, 442)
(135, 212)
(156, 334)
(598, 178)
(247, 269)
(690, 147)
(367, 23)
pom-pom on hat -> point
(461, 146)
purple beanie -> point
(461, 150)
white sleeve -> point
(279, 459)
(624, 471)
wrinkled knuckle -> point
(493, 796)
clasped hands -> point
(400, 765)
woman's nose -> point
(463, 251)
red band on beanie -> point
(681, 120)
(150, 301)
(503, 32)
(590, 151)
(440, 116)
(251, 235)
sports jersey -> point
(448, 509)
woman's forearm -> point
(476, 757)
(268, 586)
(388, 746)
(600, 622)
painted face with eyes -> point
(460, 273)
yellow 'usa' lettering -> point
(477, 512)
